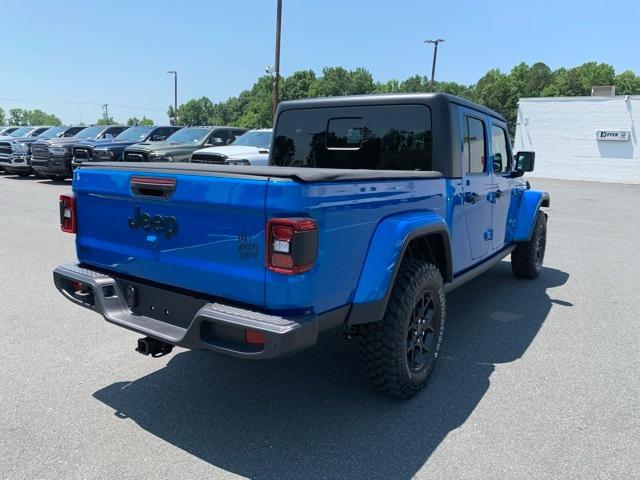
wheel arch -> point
(530, 204)
(420, 235)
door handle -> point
(471, 197)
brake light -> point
(292, 245)
(68, 214)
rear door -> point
(198, 232)
(476, 182)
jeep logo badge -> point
(157, 223)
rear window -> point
(385, 137)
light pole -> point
(276, 65)
(175, 95)
(435, 55)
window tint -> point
(390, 137)
(344, 133)
(474, 151)
(500, 152)
(72, 131)
(191, 135)
(114, 131)
(221, 134)
(161, 133)
(237, 133)
(39, 131)
(259, 139)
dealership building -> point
(594, 138)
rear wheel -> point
(59, 178)
(23, 174)
(527, 258)
(399, 352)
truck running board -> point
(473, 272)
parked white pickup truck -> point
(252, 148)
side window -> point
(114, 131)
(72, 131)
(474, 151)
(161, 133)
(500, 152)
(221, 134)
(236, 133)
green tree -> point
(498, 92)
(106, 121)
(455, 89)
(257, 111)
(136, 121)
(297, 86)
(538, 78)
(2, 119)
(415, 84)
(390, 86)
(627, 83)
(195, 112)
(337, 81)
(579, 80)
(18, 116)
(21, 116)
(38, 117)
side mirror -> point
(497, 162)
(216, 142)
(525, 161)
(157, 138)
(108, 136)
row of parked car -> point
(54, 152)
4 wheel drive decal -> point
(246, 248)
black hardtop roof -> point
(388, 99)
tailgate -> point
(197, 232)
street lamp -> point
(175, 95)
(276, 65)
(435, 54)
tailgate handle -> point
(157, 187)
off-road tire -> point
(59, 178)
(384, 345)
(527, 258)
(23, 174)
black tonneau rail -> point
(304, 175)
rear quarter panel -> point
(347, 216)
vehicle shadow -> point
(47, 181)
(13, 176)
(314, 416)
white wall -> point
(562, 132)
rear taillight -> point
(68, 213)
(292, 245)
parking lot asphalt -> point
(537, 379)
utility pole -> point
(105, 111)
(175, 95)
(433, 66)
(276, 66)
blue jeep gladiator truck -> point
(370, 210)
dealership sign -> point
(613, 135)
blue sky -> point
(117, 52)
